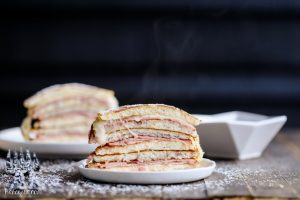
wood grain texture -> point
(274, 175)
(195, 190)
(227, 180)
(268, 176)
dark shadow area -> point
(203, 56)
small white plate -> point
(12, 138)
(238, 135)
(163, 177)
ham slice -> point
(145, 137)
(102, 129)
(136, 163)
(75, 99)
(65, 112)
(91, 115)
(140, 139)
(119, 124)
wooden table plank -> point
(295, 184)
(285, 154)
(195, 190)
(136, 191)
(275, 174)
(227, 180)
(295, 137)
(268, 176)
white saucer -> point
(163, 177)
(12, 138)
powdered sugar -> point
(60, 178)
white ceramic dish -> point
(164, 177)
(12, 138)
(238, 135)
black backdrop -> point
(203, 56)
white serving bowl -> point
(237, 135)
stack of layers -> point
(145, 137)
(64, 113)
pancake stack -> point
(64, 113)
(145, 137)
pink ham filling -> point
(42, 133)
(111, 125)
(136, 163)
(59, 136)
(100, 102)
(140, 139)
(91, 115)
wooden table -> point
(276, 174)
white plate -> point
(12, 138)
(163, 177)
(237, 135)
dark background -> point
(204, 56)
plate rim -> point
(4, 131)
